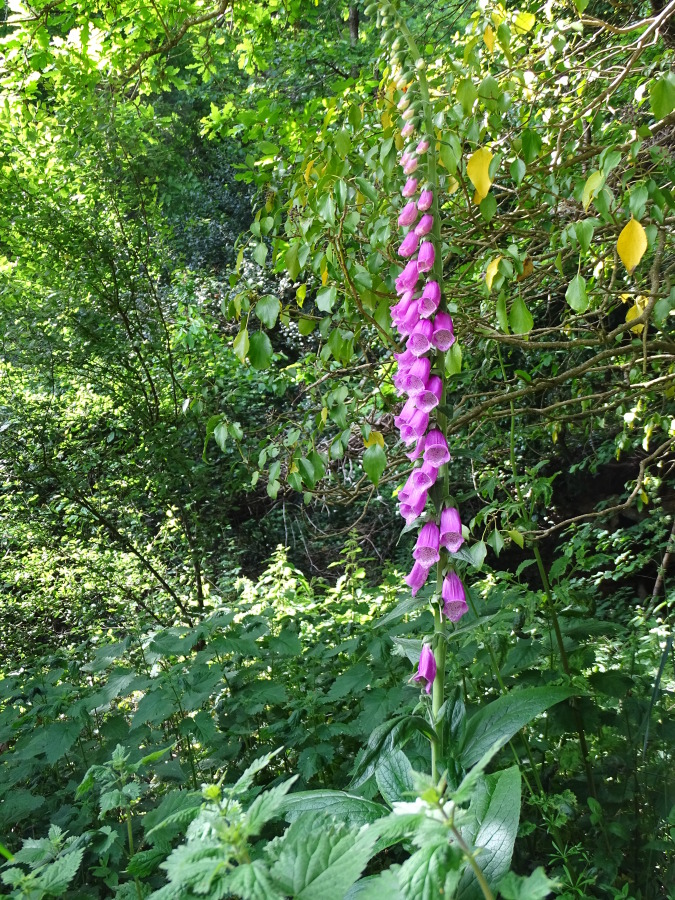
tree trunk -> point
(353, 25)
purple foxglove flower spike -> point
(419, 341)
(426, 670)
(426, 549)
(426, 257)
(454, 599)
(451, 530)
(422, 147)
(417, 450)
(436, 449)
(425, 224)
(431, 396)
(407, 412)
(415, 379)
(407, 129)
(431, 297)
(416, 577)
(408, 278)
(405, 159)
(444, 336)
(415, 428)
(409, 322)
(413, 507)
(410, 166)
(423, 478)
(425, 201)
(410, 188)
(409, 246)
(407, 215)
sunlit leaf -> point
(241, 345)
(592, 188)
(632, 244)
(491, 271)
(477, 168)
(489, 38)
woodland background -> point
(200, 557)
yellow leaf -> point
(632, 244)
(528, 269)
(491, 271)
(386, 120)
(644, 497)
(359, 200)
(324, 277)
(452, 185)
(293, 468)
(398, 141)
(324, 414)
(635, 311)
(477, 168)
(489, 38)
(308, 170)
(375, 438)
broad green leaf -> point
(520, 318)
(267, 309)
(496, 835)
(502, 317)
(367, 189)
(576, 294)
(394, 776)
(267, 806)
(241, 344)
(518, 170)
(291, 262)
(353, 681)
(631, 244)
(501, 719)
(348, 808)
(376, 887)
(467, 93)
(584, 233)
(326, 298)
(319, 858)
(260, 350)
(662, 96)
(342, 142)
(374, 462)
(260, 253)
(431, 872)
(531, 145)
(326, 208)
(453, 360)
(533, 887)
(252, 881)
(524, 22)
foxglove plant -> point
(423, 321)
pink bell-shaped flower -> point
(419, 341)
(426, 256)
(431, 396)
(425, 201)
(426, 669)
(431, 297)
(426, 550)
(451, 530)
(410, 166)
(407, 215)
(409, 246)
(408, 278)
(454, 599)
(416, 578)
(410, 188)
(425, 224)
(443, 337)
(436, 449)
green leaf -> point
(319, 858)
(267, 806)
(431, 872)
(502, 317)
(342, 142)
(576, 294)
(592, 188)
(394, 776)
(156, 706)
(525, 22)
(252, 881)
(260, 253)
(518, 170)
(374, 462)
(466, 93)
(497, 830)
(352, 681)
(291, 262)
(500, 720)
(267, 309)
(326, 298)
(453, 360)
(488, 207)
(535, 887)
(662, 96)
(326, 208)
(348, 808)
(584, 233)
(531, 142)
(260, 350)
(241, 344)
(54, 879)
(520, 318)
(367, 189)
(375, 887)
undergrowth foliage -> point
(178, 720)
